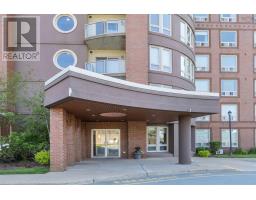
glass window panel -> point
(65, 59)
(202, 137)
(65, 23)
(225, 137)
(152, 135)
(154, 23)
(202, 85)
(225, 108)
(166, 24)
(152, 148)
(202, 61)
(166, 60)
(201, 36)
(112, 27)
(99, 28)
(163, 148)
(154, 58)
(162, 135)
(228, 36)
(229, 61)
(229, 85)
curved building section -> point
(180, 42)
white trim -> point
(119, 153)
(158, 145)
(55, 56)
(55, 20)
(127, 83)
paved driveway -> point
(104, 170)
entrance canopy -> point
(95, 97)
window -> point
(255, 113)
(187, 68)
(161, 85)
(160, 23)
(254, 39)
(160, 59)
(225, 137)
(157, 139)
(205, 118)
(202, 63)
(254, 18)
(186, 34)
(202, 38)
(254, 62)
(228, 63)
(64, 23)
(201, 17)
(225, 108)
(64, 58)
(228, 87)
(228, 18)
(255, 88)
(228, 39)
(202, 137)
(202, 85)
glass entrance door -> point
(157, 139)
(105, 143)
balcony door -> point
(105, 143)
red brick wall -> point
(136, 136)
(137, 48)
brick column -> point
(78, 140)
(58, 140)
(136, 136)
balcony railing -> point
(111, 66)
(104, 28)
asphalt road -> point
(220, 178)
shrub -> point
(252, 151)
(240, 151)
(204, 153)
(42, 157)
(200, 149)
(215, 146)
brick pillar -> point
(83, 139)
(78, 140)
(136, 136)
(58, 140)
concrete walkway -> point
(103, 170)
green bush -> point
(200, 149)
(215, 146)
(240, 151)
(252, 151)
(204, 153)
(42, 157)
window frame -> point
(225, 118)
(228, 44)
(209, 138)
(229, 93)
(58, 16)
(228, 19)
(191, 66)
(203, 44)
(254, 39)
(161, 67)
(57, 53)
(206, 118)
(228, 69)
(204, 79)
(228, 142)
(161, 24)
(206, 69)
(187, 37)
(201, 19)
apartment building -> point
(225, 63)
(116, 82)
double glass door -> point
(157, 139)
(105, 143)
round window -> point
(64, 58)
(65, 23)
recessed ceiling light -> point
(125, 109)
(93, 115)
(153, 115)
(113, 114)
(88, 109)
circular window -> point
(65, 23)
(64, 58)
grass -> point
(236, 156)
(24, 170)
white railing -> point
(229, 93)
(201, 19)
(115, 66)
(226, 118)
(228, 44)
(202, 69)
(202, 44)
(228, 69)
(104, 27)
(228, 19)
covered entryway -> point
(87, 110)
(105, 143)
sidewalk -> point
(103, 170)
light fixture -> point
(113, 114)
(88, 109)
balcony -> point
(105, 35)
(113, 67)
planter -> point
(137, 155)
